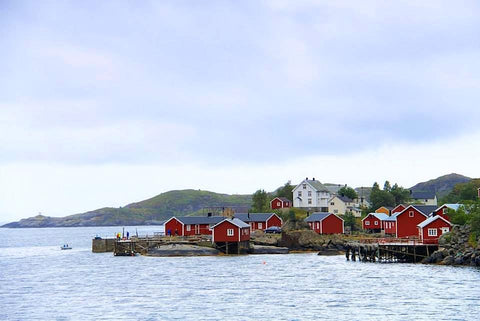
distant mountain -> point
(441, 185)
(150, 211)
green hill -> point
(441, 185)
(150, 211)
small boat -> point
(65, 247)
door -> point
(197, 229)
(445, 230)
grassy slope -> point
(160, 207)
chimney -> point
(313, 178)
(308, 214)
(248, 214)
(209, 214)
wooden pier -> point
(389, 250)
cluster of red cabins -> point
(426, 222)
(222, 229)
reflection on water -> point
(38, 281)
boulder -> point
(262, 249)
(458, 260)
(182, 250)
(448, 260)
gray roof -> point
(284, 199)
(318, 186)
(425, 209)
(422, 195)
(431, 219)
(380, 216)
(315, 217)
(345, 199)
(235, 221)
(333, 188)
(200, 219)
(253, 217)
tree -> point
(387, 187)
(260, 201)
(349, 220)
(348, 192)
(285, 191)
(463, 192)
(400, 194)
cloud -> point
(231, 79)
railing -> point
(394, 240)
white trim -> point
(171, 218)
(239, 230)
(436, 217)
(432, 229)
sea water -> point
(38, 281)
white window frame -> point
(432, 232)
(230, 232)
(318, 225)
(304, 186)
(260, 225)
(376, 223)
(445, 210)
(189, 227)
(367, 222)
(279, 203)
(332, 203)
(310, 193)
(299, 193)
(411, 214)
(309, 201)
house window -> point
(332, 203)
(426, 200)
(445, 210)
(279, 204)
(318, 226)
(259, 225)
(189, 228)
(376, 222)
(309, 193)
(367, 223)
(230, 232)
(299, 193)
(309, 201)
(304, 186)
(335, 211)
(432, 232)
(410, 214)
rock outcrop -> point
(457, 248)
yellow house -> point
(384, 209)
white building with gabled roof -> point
(311, 194)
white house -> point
(341, 204)
(311, 194)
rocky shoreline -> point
(456, 248)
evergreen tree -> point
(348, 192)
(260, 201)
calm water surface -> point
(38, 281)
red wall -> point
(399, 208)
(203, 229)
(173, 225)
(220, 233)
(274, 220)
(390, 227)
(407, 226)
(332, 225)
(372, 219)
(440, 212)
(283, 204)
(435, 224)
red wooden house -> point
(260, 221)
(374, 222)
(390, 225)
(191, 225)
(432, 228)
(280, 202)
(407, 220)
(325, 223)
(231, 230)
(398, 208)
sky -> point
(112, 102)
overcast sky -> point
(107, 103)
